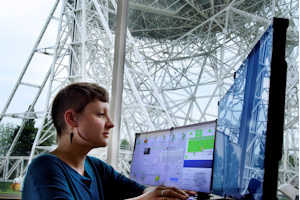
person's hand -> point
(165, 193)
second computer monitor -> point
(181, 157)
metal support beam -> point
(117, 83)
(28, 61)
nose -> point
(109, 124)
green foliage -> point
(292, 161)
(6, 137)
(24, 144)
(5, 187)
(125, 143)
(48, 128)
(26, 139)
(27, 136)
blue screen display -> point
(241, 129)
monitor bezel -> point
(275, 124)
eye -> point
(101, 114)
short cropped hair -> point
(75, 96)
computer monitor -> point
(181, 157)
(250, 122)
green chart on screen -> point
(200, 142)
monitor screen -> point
(245, 124)
(181, 157)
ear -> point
(70, 118)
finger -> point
(174, 194)
(182, 192)
(163, 187)
(190, 192)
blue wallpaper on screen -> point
(242, 125)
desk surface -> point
(10, 196)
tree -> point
(6, 137)
(24, 144)
(48, 129)
(125, 145)
(26, 139)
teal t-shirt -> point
(48, 177)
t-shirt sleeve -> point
(117, 186)
(45, 180)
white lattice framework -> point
(180, 60)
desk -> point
(10, 196)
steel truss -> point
(180, 60)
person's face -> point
(94, 123)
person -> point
(80, 116)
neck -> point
(72, 154)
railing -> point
(12, 167)
(15, 166)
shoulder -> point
(44, 165)
(105, 170)
(46, 177)
(44, 160)
(45, 157)
(99, 163)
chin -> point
(101, 144)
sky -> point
(20, 24)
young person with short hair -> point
(80, 116)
